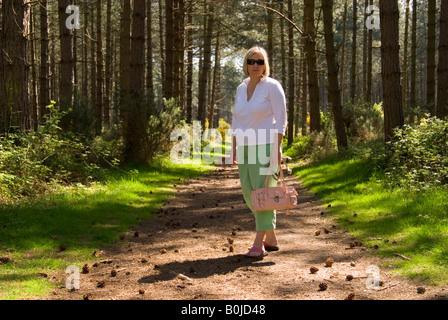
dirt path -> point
(194, 251)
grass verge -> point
(413, 225)
(83, 219)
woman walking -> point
(258, 126)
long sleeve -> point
(278, 103)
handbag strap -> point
(282, 179)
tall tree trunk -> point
(33, 82)
(304, 95)
(125, 46)
(149, 57)
(67, 64)
(406, 57)
(393, 111)
(169, 50)
(344, 35)
(369, 63)
(333, 84)
(202, 99)
(93, 65)
(442, 69)
(44, 74)
(313, 81)
(14, 66)
(365, 53)
(176, 49)
(162, 47)
(354, 55)
(99, 68)
(212, 105)
(125, 62)
(291, 79)
(299, 68)
(431, 53)
(189, 44)
(108, 65)
(413, 92)
(283, 47)
(181, 54)
(85, 65)
(270, 47)
(135, 136)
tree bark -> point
(442, 69)
(354, 55)
(405, 58)
(369, 64)
(413, 89)
(33, 83)
(169, 50)
(202, 99)
(149, 57)
(393, 111)
(333, 84)
(44, 74)
(135, 136)
(313, 82)
(344, 35)
(431, 53)
(190, 69)
(14, 66)
(291, 78)
(99, 69)
(67, 63)
(125, 46)
(108, 66)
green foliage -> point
(36, 161)
(413, 224)
(85, 219)
(300, 147)
(417, 158)
(161, 123)
(364, 122)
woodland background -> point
(86, 117)
(113, 90)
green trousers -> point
(252, 161)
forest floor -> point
(194, 250)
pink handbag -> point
(274, 198)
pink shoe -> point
(255, 252)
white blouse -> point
(257, 121)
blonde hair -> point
(250, 53)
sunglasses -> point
(252, 62)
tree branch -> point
(282, 15)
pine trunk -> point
(44, 74)
(390, 47)
(66, 80)
(354, 55)
(291, 78)
(442, 71)
(313, 82)
(431, 68)
(15, 108)
(135, 135)
(202, 99)
(333, 84)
